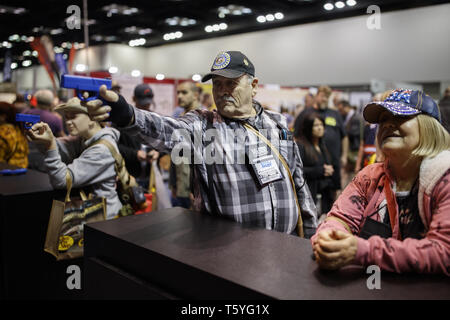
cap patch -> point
(400, 95)
(222, 61)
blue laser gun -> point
(28, 119)
(84, 84)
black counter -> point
(177, 253)
(26, 271)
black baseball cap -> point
(230, 64)
(143, 94)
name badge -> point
(330, 121)
(266, 170)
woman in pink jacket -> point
(395, 214)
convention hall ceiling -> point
(158, 22)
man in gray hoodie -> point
(88, 164)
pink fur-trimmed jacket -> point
(363, 196)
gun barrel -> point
(84, 83)
(21, 117)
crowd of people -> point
(366, 187)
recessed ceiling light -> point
(160, 76)
(14, 37)
(196, 77)
(279, 16)
(351, 3)
(339, 4)
(119, 9)
(233, 10)
(137, 42)
(180, 21)
(19, 10)
(270, 17)
(135, 73)
(261, 19)
(328, 6)
(56, 31)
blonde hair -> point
(433, 137)
(385, 94)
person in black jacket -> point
(316, 161)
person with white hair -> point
(44, 109)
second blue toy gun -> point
(28, 119)
(84, 84)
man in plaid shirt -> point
(245, 163)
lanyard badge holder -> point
(266, 166)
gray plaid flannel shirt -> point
(238, 195)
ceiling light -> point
(270, 17)
(19, 10)
(160, 76)
(339, 4)
(196, 77)
(113, 69)
(111, 38)
(26, 63)
(351, 3)
(223, 26)
(80, 67)
(56, 31)
(216, 27)
(172, 35)
(119, 9)
(261, 19)
(145, 31)
(328, 6)
(14, 65)
(233, 10)
(14, 37)
(137, 42)
(135, 73)
(279, 16)
(183, 21)
(130, 29)
(34, 53)
(208, 29)
(26, 53)
(97, 37)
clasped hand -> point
(334, 249)
(41, 134)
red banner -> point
(44, 59)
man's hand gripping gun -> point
(85, 84)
